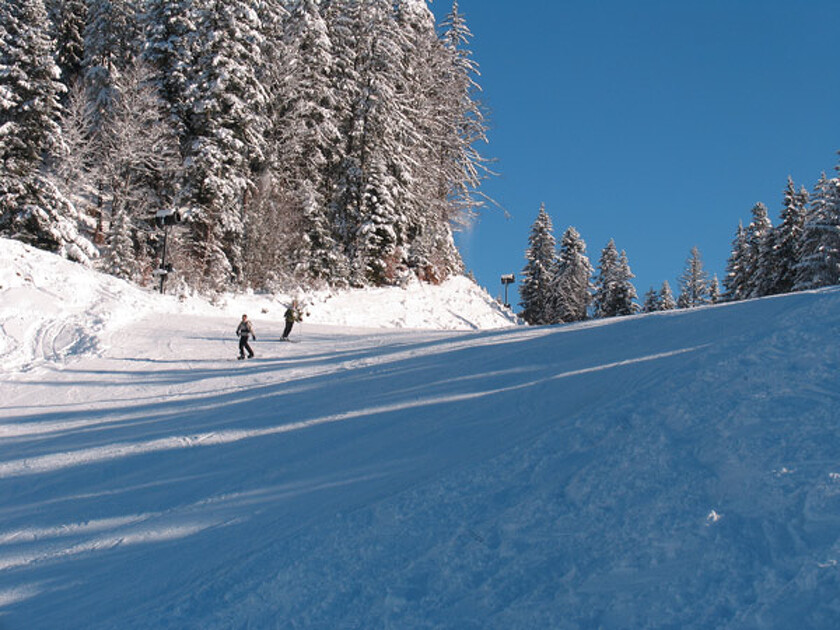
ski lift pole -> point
(163, 259)
(164, 219)
(507, 279)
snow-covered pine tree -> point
(694, 285)
(714, 290)
(463, 117)
(111, 42)
(818, 253)
(736, 281)
(31, 207)
(225, 143)
(603, 299)
(651, 302)
(380, 134)
(778, 270)
(452, 125)
(68, 19)
(169, 28)
(625, 292)
(310, 143)
(29, 88)
(430, 249)
(614, 291)
(538, 277)
(666, 298)
(573, 285)
(757, 235)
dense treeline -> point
(801, 252)
(303, 141)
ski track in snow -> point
(674, 470)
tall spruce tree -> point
(778, 270)
(666, 298)
(714, 290)
(818, 258)
(614, 290)
(573, 285)
(169, 41)
(694, 284)
(604, 297)
(68, 19)
(31, 207)
(736, 281)
(757, 235)
(538, 277)
(310, 142)
(111, 39)
(226, 137)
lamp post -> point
(507, 279)
(164, 219)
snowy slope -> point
(51, 309)
(676, 470)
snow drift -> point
(670, 470)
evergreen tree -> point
(68, 19)
(538, 277)
(818, 253)
(757, 251)
(603, 299)
(666, 298)
(737, 267)
(226, 137)
(310, 141)
(714, 290)
(379, 135)
(463, 119)
(652, 302)
(111, 39)
(625, 292)
(29, 88)
(573, 287)
(694, 286)
(31, 207)
(779, 270)
(614, 291)
(169, 41)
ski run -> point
(417, 460)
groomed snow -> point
(677, 470)
(53, 310)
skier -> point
(292, 315)
(245, 330)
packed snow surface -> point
(675, 470)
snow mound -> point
(456, 304)
(54, 310)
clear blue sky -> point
(658, 123)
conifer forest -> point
(268, 144)
(282, 142)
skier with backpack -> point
(244, 331)
(292, 315)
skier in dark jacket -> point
(292, 315)
(245, 330)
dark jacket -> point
(245, 329)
